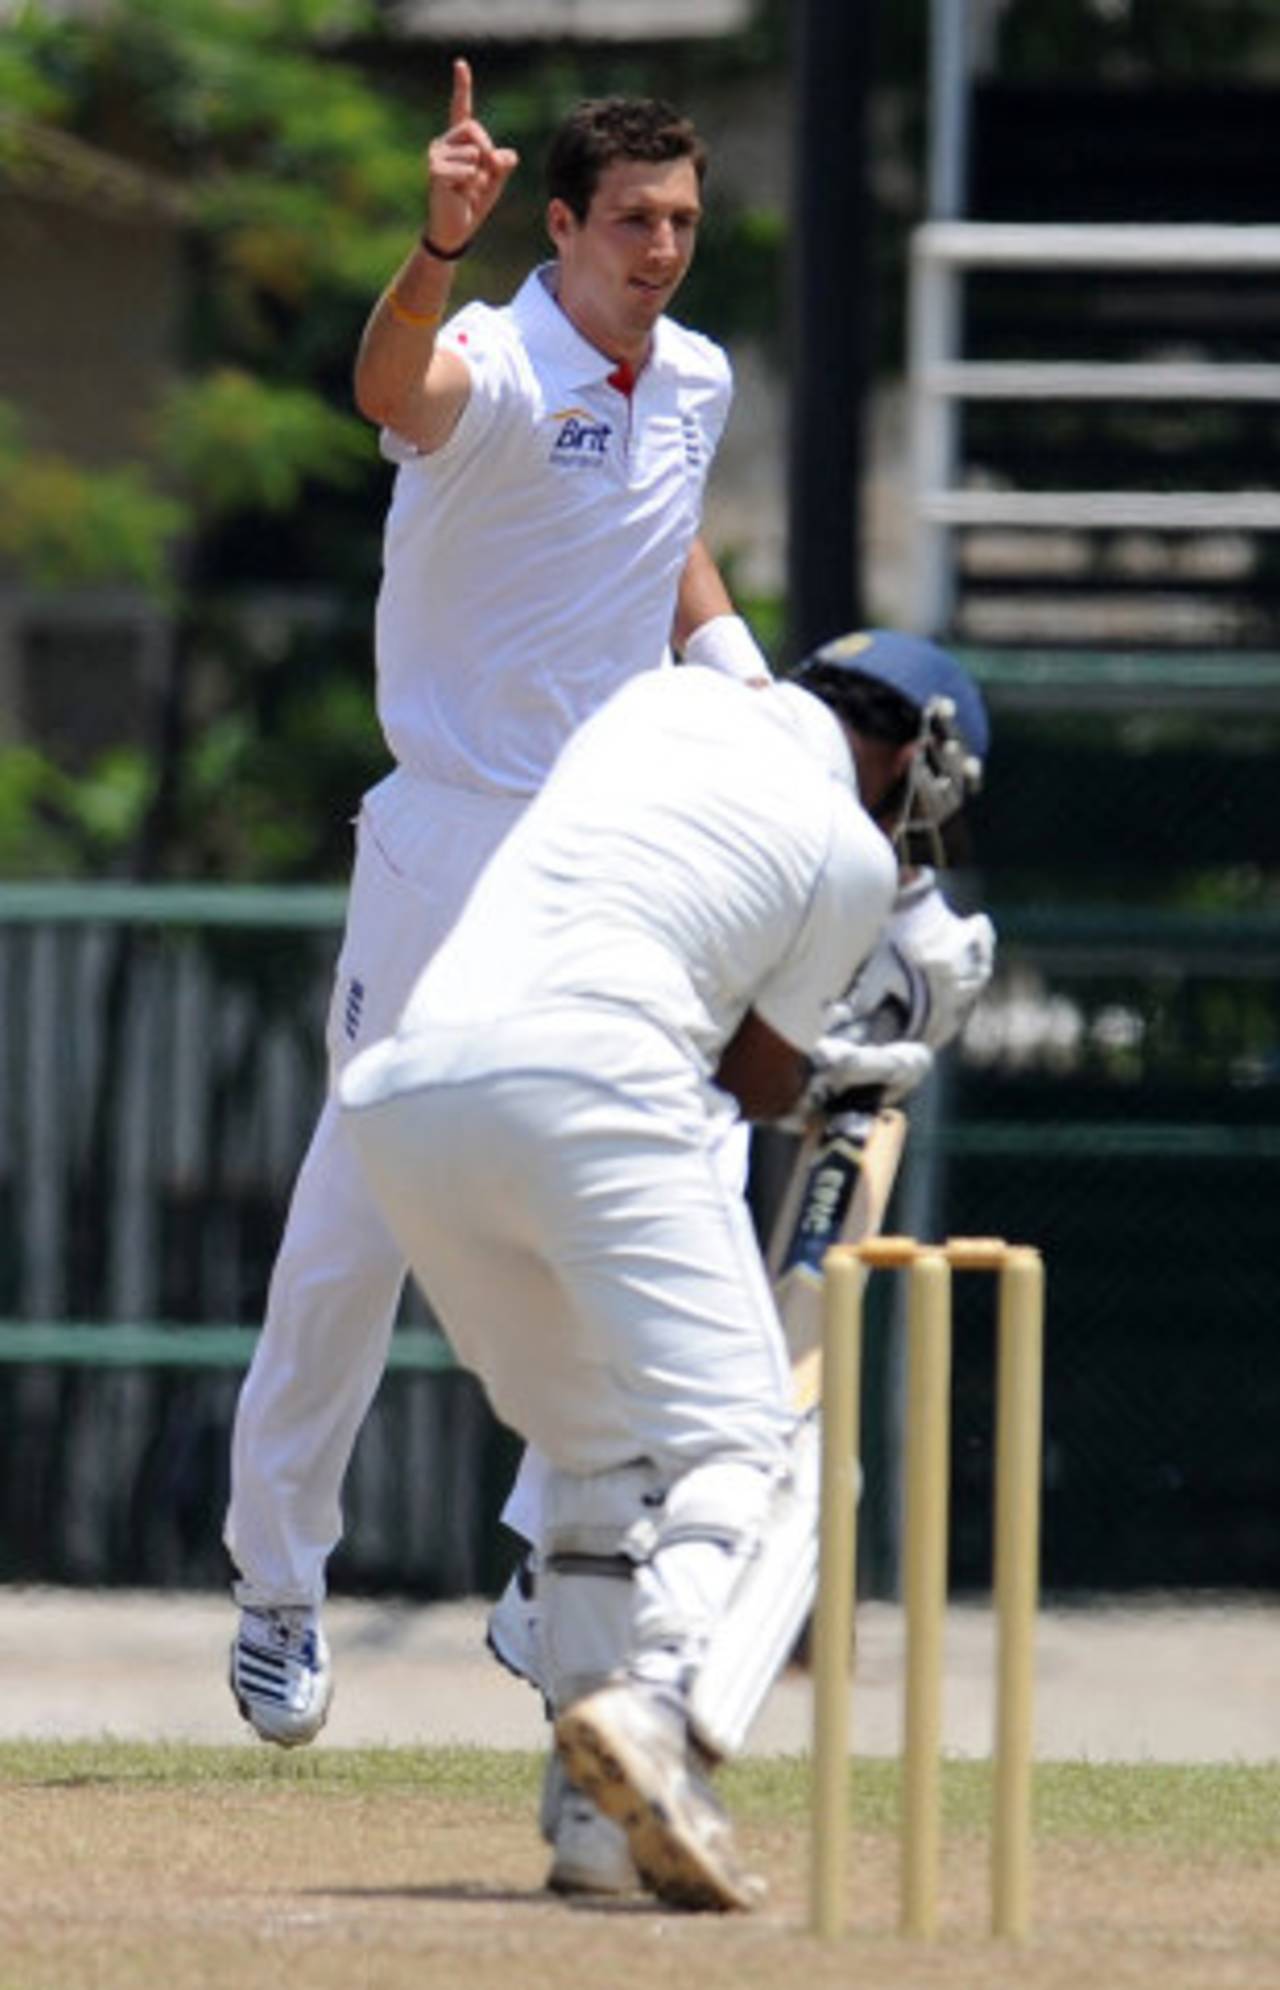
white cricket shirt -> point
(699, 849)
(530, 566)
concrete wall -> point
(92, 303)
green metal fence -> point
(160, 1065)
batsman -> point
(672, 936)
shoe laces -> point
(286, 1629)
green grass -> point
(1232, 1809)
(476, 1775)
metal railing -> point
(138, 1220)
(146, 1156)
(941, 379)
(161, 1064)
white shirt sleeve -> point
(473, 335)
(843, 920)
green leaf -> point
(62, 525)
(109, 802)
(238, 442)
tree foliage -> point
(64, 526)
(296, 183)
(284, 138)
(296, 174)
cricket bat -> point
(838, 1193)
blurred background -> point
(1001, 284)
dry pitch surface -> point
(128, 1867)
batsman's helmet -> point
(902, 688)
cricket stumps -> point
(929, 1269)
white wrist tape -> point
(725, 643)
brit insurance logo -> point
(582, 442)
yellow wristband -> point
(421, 321)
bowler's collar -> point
(552, 338)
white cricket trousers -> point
(555, 1183)
(336, 1284)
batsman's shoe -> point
(280, 1674)
(589, 1852)
(627, 1749)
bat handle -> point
(863, 1100)
(883, 1025)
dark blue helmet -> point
(903, 688)
(918, 670)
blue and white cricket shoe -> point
(281, 1677)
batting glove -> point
(843, 1064)
(930, 965)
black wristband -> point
(443, 255)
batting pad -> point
(767, 1611)
(596, 1530)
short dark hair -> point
(869, 706)
(601, 130)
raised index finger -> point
(460, 101)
